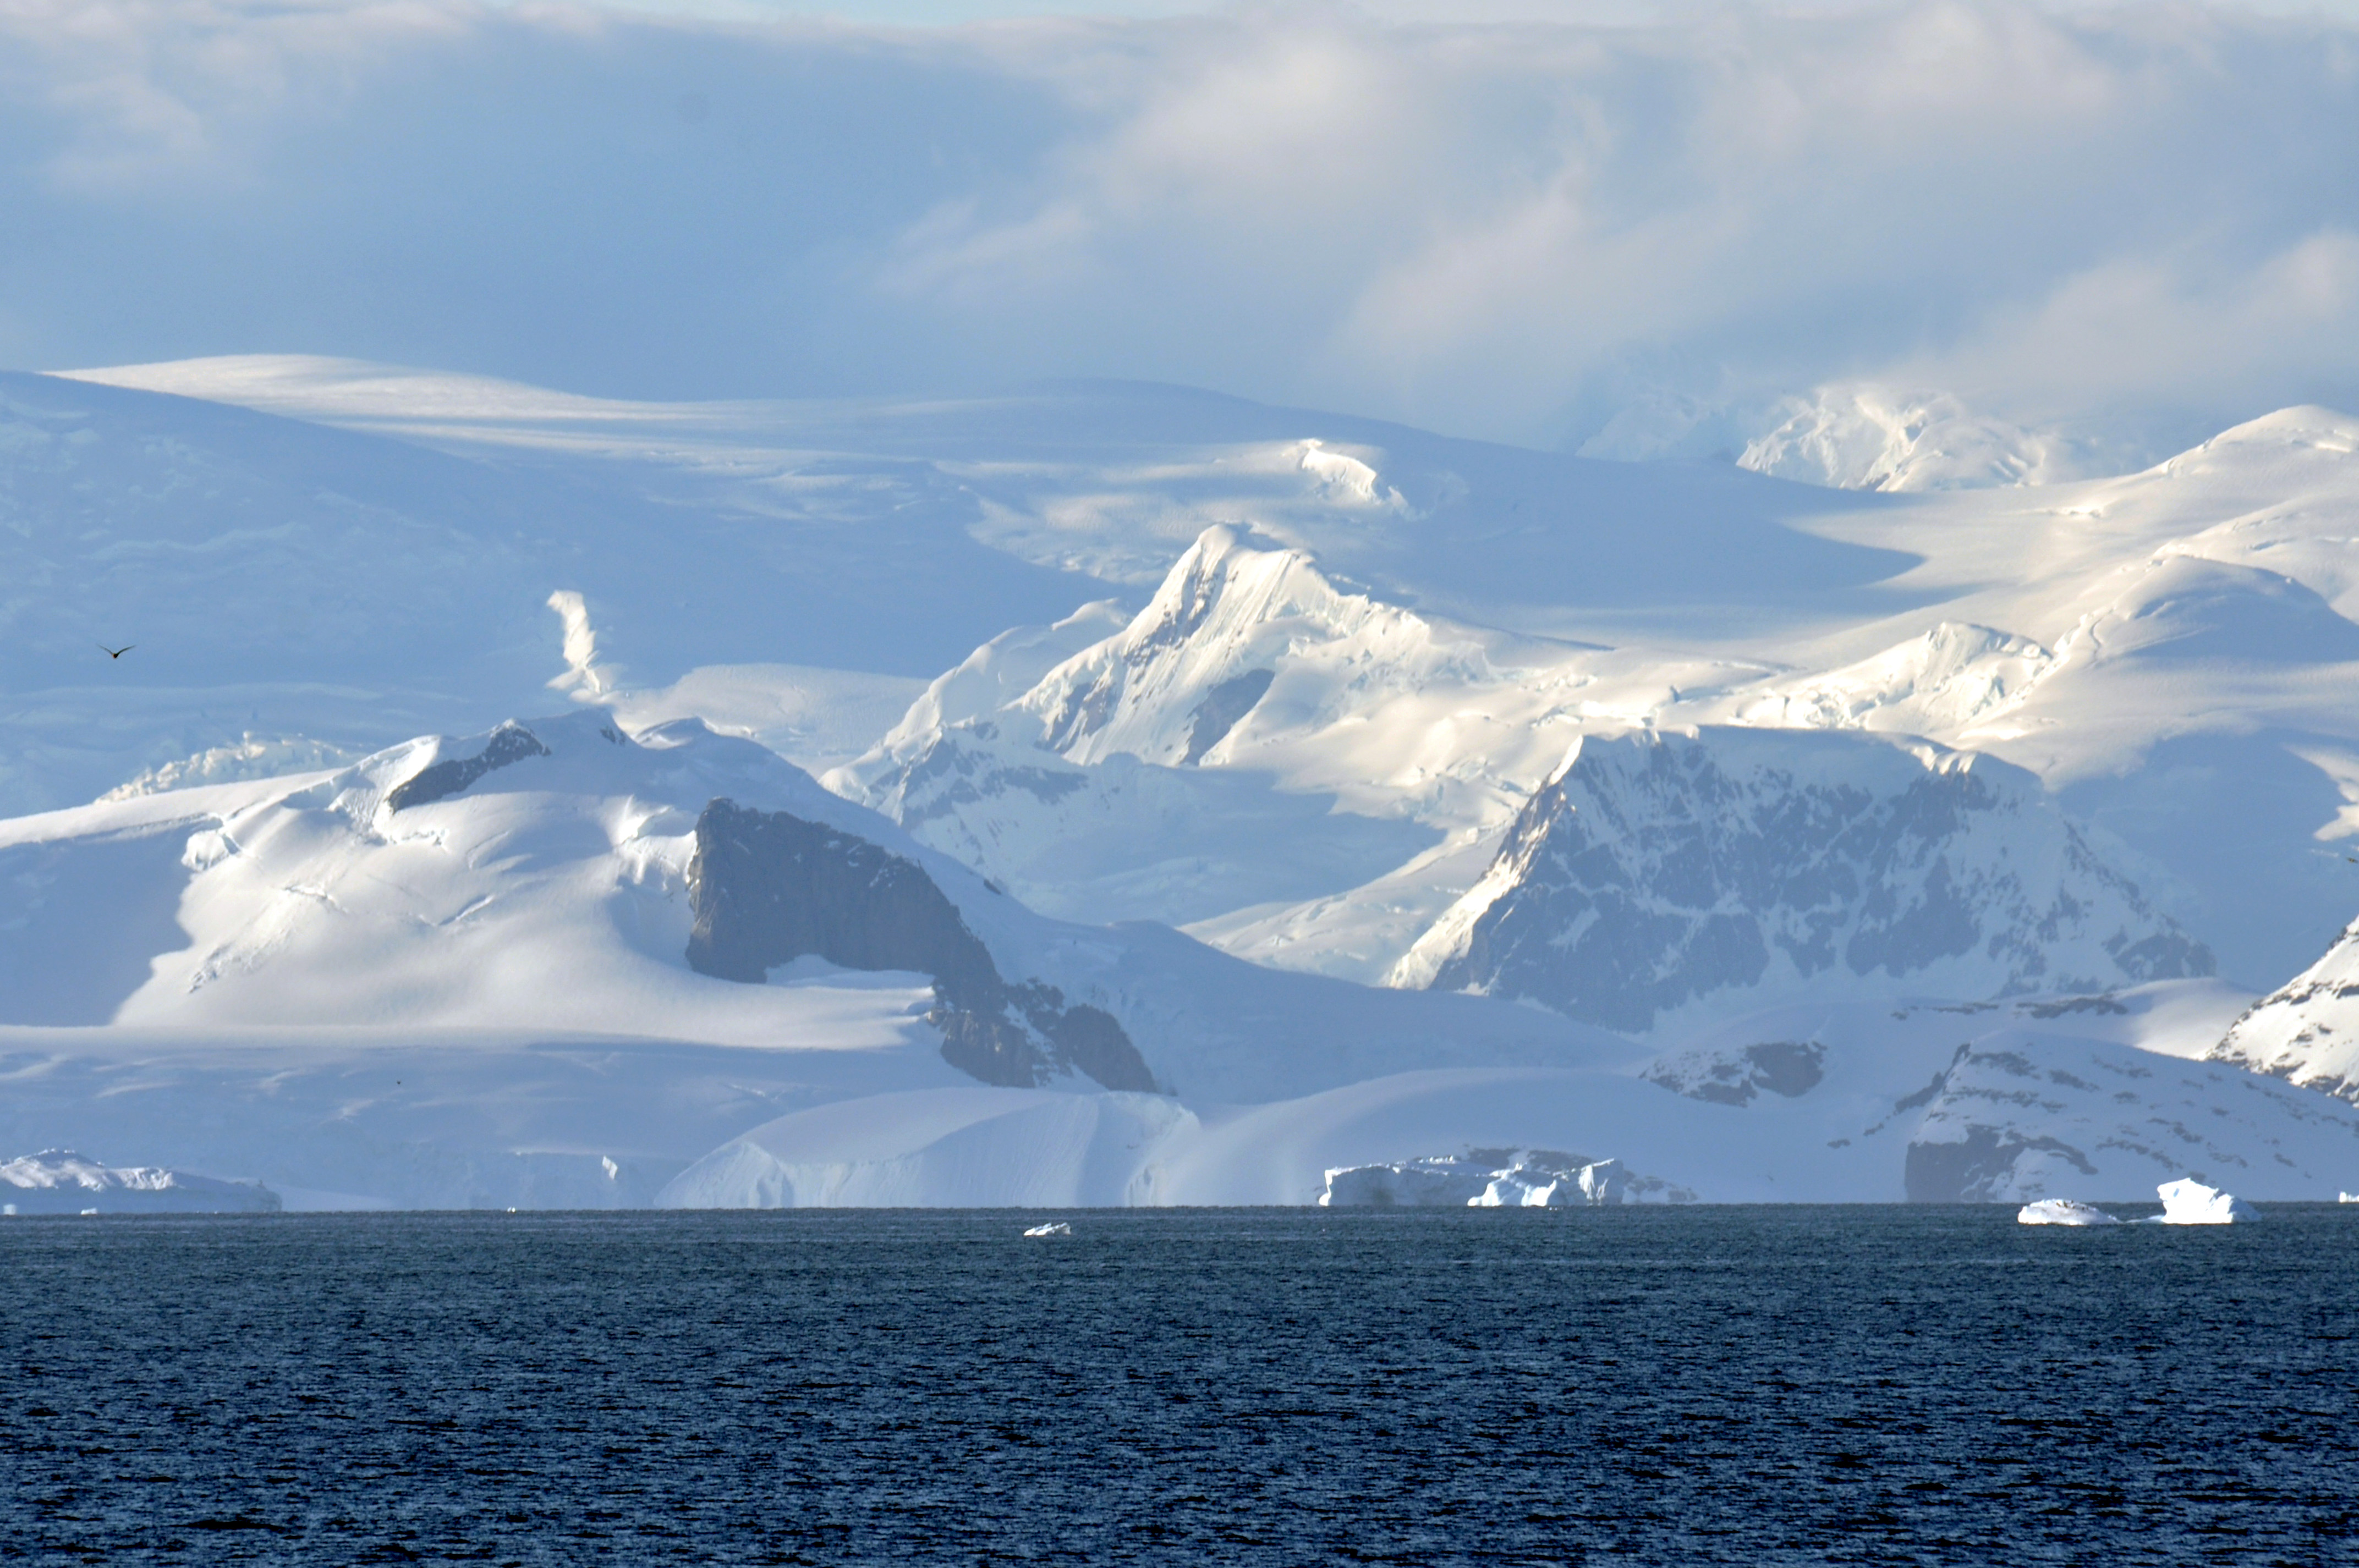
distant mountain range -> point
(1277, 730)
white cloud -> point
(1513, 229)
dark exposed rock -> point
(2070, 1004)
(1652, 872)
(767, 887)
(1787, 1068)
(439, 781)
(1222, 709)
(1979, 1168)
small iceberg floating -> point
(2062, 1211)
(2190, 1202)
(1054, 1228)
(2346, 1197)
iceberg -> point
(1495, 1178)
(2190, 1202)
(58, 1181)
(2062, 1211)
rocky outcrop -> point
(1654, 871)
(1211, 720)
(1788, 1067)
(767, 887)
(511, 742)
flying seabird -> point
(117, 652)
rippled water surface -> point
(1732, 1385)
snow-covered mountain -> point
(2307, 1031)
(563, 876)
(1860, 436)
(1253, 737)
(1300, 683)
(1656, 875)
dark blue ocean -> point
(1709, 1384)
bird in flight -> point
(116, 653)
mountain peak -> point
(1216, 642)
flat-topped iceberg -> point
(2062, 1211)
(2190, 1202)
(1495, 1178)
(58, 1181)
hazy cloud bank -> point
(2139, 223)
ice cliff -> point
(60, 1181)
(1495, 1178)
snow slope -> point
(459, 973)
(1940, 1103)
(282, 581)
(2307, 1031)
(2167, 652)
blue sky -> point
(2145, 218)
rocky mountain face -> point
(2003, 1125)
(767, 887)
(1658, 873)
(446, 777)
(2307, 1031)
